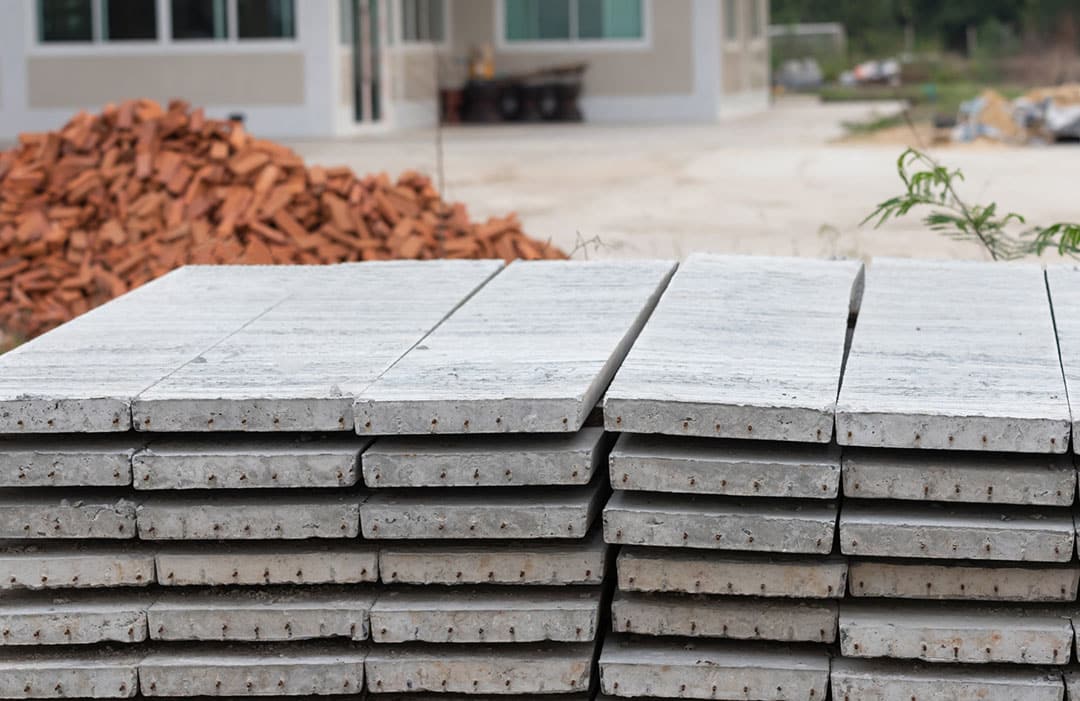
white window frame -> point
(164, 43)
(741, 23)
(644, 43)
(397, 38)
(760, 40)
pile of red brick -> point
(114, 200)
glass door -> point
(367, 31)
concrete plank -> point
(891, 680)
(502, 670)
(531, 562)
(264, 564)
(486, 461)
(284, 669)
(249, 463)
(720, 523)
(282, 516)
(713, 669)
(65, 565)
(264, 614)
(551, 512)
(1072, 683)
(36, 514)
(67, 461)
(760, 360)
(486, 615)
(741, 618)
(730, 468)
(956, 531)
(1039, 480)
(731, 574)
(532, 352)
(997, 581)
(61, 673)
(72, 618)
(927, 370)
(955, 632)
(1063, 284)
(298, 366)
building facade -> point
(329, 68)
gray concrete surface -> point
(953, 355)
(40, 514)
(890, 680)
(485, 461)
(67, 461)
(710, 466)
(282, 517)
(60, 673)
(1063, 284)
(277, 562)
(79, 618)
(993, 581)
(734, 574)
(551, 335)
(781, 526)
(764, 363)
(75, 566)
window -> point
(757, 26)
(731, 20)
(129, 19)
(423, 21)
(265, 19)
(199, 19)
(103, 20)
(573, 20)
(65, 20)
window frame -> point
(759, 39)
(643, 43)
(740, 23)
(397, 30)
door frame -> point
(347, 123)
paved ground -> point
(775, 183)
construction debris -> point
(111, 201)
(1043, 115)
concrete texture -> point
(1072, 683)
(733, 574)
(956, 532)
(252, 670)
(994, 581)
(1063, 285)
(65, 514)
(480, 669)
(486, 615)
(67, 461)
(889, 680)
(928, 371)
(69, 618)
(561, 562)
(713, 670)
(291, 562)
(61, 673)
(697, 615)
(74, 566)
(281, 517)
(710, 466)
(297, 367)
(553, 512)
(762, 363)
(249, 463)
(485, 461)
(782, 526)
(960, 477)
(266, 615)
(551, 335)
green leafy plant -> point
(1006, 236)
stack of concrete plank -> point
(727, 483)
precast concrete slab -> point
(264, 614)
(724, 669)
(956, 531)
(925, 371)
(298, 365)
(993, 581)
(740, 347)
(702, 616)
(1039, 480)
(1063, 284)
(531, 352)
(282, 669)
(64, 565)
(37, 514)
(955, 632)
(531, 562)
(731, 574)
(720, 523)
(551, 512)
(73, 618)
(1072, 683)
(93, 673)
(67, 461)
(263, 564)
(486, 461)
(729, 468)
(249, 463)
(281, 516)
(486, 615)
(892, 680)
(501, 670)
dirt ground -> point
(780, 183)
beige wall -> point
(413, 73)
(260, 79)
(744, 63)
